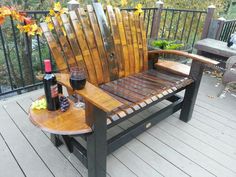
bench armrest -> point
(195, 57)
(92, 94)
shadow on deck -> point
(206, 146)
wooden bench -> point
(122, 81)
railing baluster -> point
(190, 27)
(39, 48)
(163, 29)
(177, 25)
(172, 16)
(183, 29)
(17, 51)
(5, 56)
(149, 11)
(198, 22)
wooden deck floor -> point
(206, 146)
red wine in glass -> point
(77, 78)
(77, 82)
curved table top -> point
(71, 122)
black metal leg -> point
(97, 145)
(55, 140)
(191, 91)
(67, 142)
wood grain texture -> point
(174, 67)
(125, 53)
(116, 39)
(135, 42)
(84, 47)
(83, 16)
(58, 23)
(139, 41)
(107, 41)
(54, 47)
(62, 39)
(129, 41)
(99, 42)
(144, 38)
(92, 94)
(71, 122)
(199, 58)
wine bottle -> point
(50, 87)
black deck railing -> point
(21, 57)
(229, 27)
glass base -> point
(79, 105)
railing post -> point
(73, 5)
(221, 22)
(156, 20)
(207, 23)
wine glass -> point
(77, 82)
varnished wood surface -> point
(71, 122)
(172, 66)
(92, 94)
(199, 58)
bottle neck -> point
(47, 72)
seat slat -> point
(134, 87)
(116, 38)
(119, 88)
(128, 35)
(120, 93)
(91, 43)
(54, 47)
(99, 42)
(107, 41)
(84, 47)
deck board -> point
(206, 146)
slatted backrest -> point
(109, 44)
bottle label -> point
(54, 91)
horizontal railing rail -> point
(21, 57)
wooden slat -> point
(26, 156)
(91, 44)
(135, 42)
(174, 67)
(117, 41)
(123, 41)
(128, 35)
(139, 41)
(8, 165)
(92, 94)
(145, 48)
(71, 39)
(68, 53)
(122, 94)
(99, 42)
(55, 48)
(107, 41)
(83, 46)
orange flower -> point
(2, 19)
(27, 20)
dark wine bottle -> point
(50, 87)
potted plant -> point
(162, 44)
